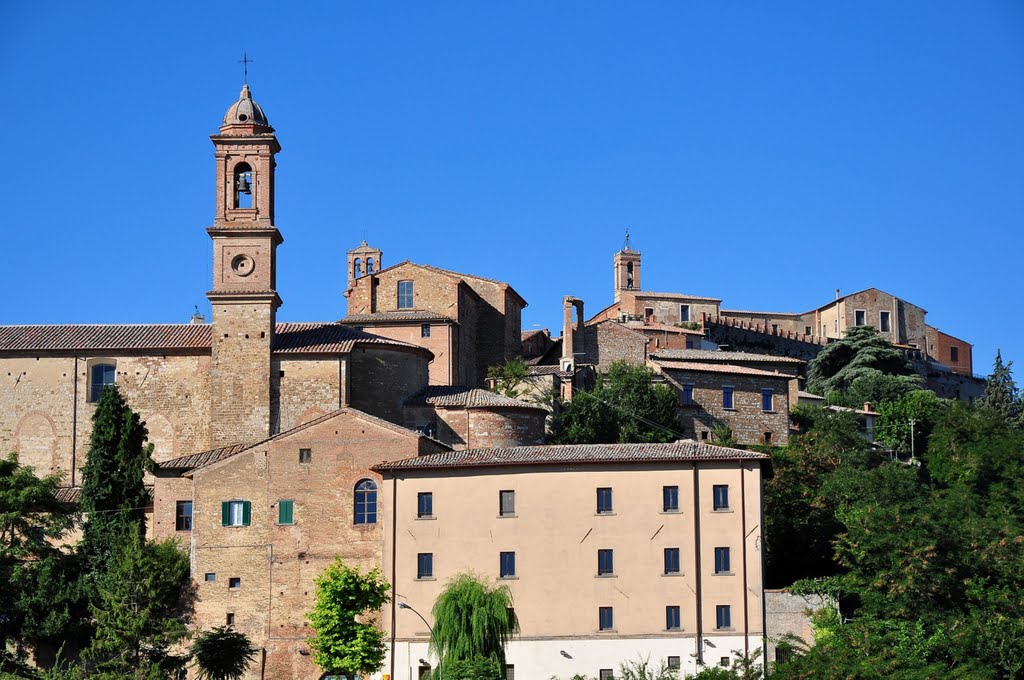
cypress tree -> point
(1001, 394)
(113, 494)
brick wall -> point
(940, 347)
(382, 378)
(302, 389)
(240, 399)
(38, 405)
(443, 342)
(610, 341)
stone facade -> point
(951, 351)
(789, 614)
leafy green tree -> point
(222, 653)
(1001, 393)
(39, 601)
(473, 619)
(142, 610)
(113, 494)
(862, 365)
(625, 406)
(477, 668)
(509, 376)
(641, 669)
(342, 643)
(893, 428)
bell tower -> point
(627, 268)
(244, 296)
(363, 261)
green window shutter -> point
(225, 514)
(246, 513)
(286, 512)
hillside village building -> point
(282, 445)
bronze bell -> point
(243, 185)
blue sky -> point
(763, 153)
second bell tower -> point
(244, 296)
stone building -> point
(750, 393)
(472, 417)
(469, 322)
(612, 552)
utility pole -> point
(912, 422)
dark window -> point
(775, 328)
(689, 344)
(807, 330)
(684, 312)
(883, 321)
(767, 400)
(720, 496)
(604, 500)
(606, 674)
(687, 395)
(671, 560)
(670, 498)
(243, 186)
(425, 330)
(673, 662)
(235, 513)
(704, 434)
(510, 672)
(209, 577)
(860, 317)
(424, 672)
(425, 504)
(286, 512)
(365, 502)
(369, 265)
(727, 397)
(723, 616)
(102, 375)
(508, 564)
(405, 295)
(230, 619)
(425, 565)
(648, 313)
(357, 268)
(235, 582)
(767, 437)
(605, 562)
(672, 617)
(722, 561)
(724, 662)
(305, 455)
(781, 655)
(183, 516)
(507, 503)
(954, 354)
(604, 619)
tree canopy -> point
(625, 406)
(862, 366)
(473, 620)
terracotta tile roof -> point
(62, 337)
(198, 460)
(68, 494)
(526, 335)
(320, 337)
(679, 452)
(807, 395)
(697, 367)
(548, 370)
(378, 317)
(326, 338)
(673, 296)
(720, 355)
(459, 396)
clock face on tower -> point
(242, 265)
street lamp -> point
(403, 605)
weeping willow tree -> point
(473, 621)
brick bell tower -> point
(627, 268)
(244, 296)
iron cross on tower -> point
(245, 61)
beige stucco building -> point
(611, 551)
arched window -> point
(369, 266)
(357, 268)
(243, 186)
(629, 275)
(101, 376)
(366, 502)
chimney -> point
(867, 405)
(570, 330)
(837, 293)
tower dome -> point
(245, 111)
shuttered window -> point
(286, 512)
(235, 513)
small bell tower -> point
(244, 296)
(627, 268)
(363, 261)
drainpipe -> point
(74, 422)
(743, 530)
(394, 562)
(696, 544)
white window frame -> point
(888, 317)
(860, 311)
(684, 317)
(236, 513)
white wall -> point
(543, 659)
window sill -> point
(278, 524)
(606, 575)
(724, 573)
(425, 578)
(671, 512)
(609, 631)
(671, 630)
(674, 574)
(508, 516)
(604, 514)
(723, 511)
(725, 630)
(769, 413)
(508, 578)
(426, 518)
(731, 410)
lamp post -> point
(403, 605)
